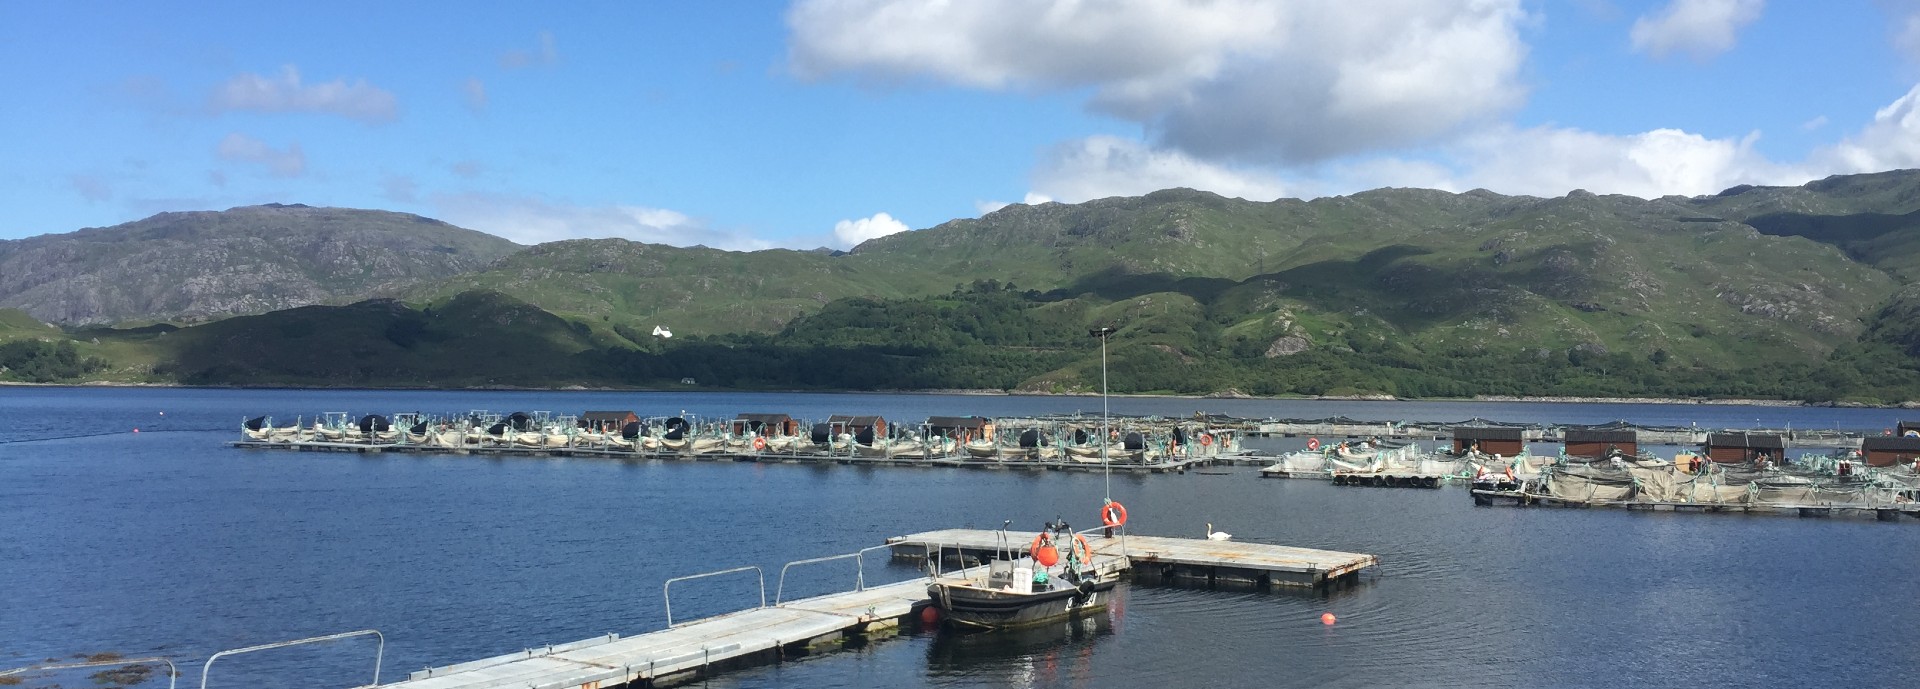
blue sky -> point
(824, 122)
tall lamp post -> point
(1106, 435)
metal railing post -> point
(377, 656)
(779, 592)
(666, 589)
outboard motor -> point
(631, 430)
(1135, 440)
(520, 421)
(1179, 435)
(821, 434)
(1030, 438)
(256, 423)
(1080, 436)
(374, 423)
(864, 436)
(498, 429)
(418, 428)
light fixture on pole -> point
(1106, 436)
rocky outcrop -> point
(253, 259)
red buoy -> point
(1046, 555)
(1328, 618)
(929, 615)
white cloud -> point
(1817, 122)
(543, 55)
(475, 91)
(1890, 141)
(853, 232)
(1222, 79)
(290, 162)
(1700, 28)
(530, 220)
(286, 93)
(1547, 161)
(1102, 166)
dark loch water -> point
(168, 542)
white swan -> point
(1216, 535)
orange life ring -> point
(1313, 443)
(1114, 514)
(1206, 439)
(759, 443)
(1085, 549)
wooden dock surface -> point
(725, 640)
(1178, 558)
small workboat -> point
(1055, 579)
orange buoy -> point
(1313, 443)
(1046, 555)
(1328, 618)
(759, 443)
(1113, 515)
(1206, 439)
(929, 615)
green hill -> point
(1763, 292)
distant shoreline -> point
(1232, 395)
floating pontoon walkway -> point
(1157, 557)
(692, 651)
(1174, 465)
(689, 651)
(1886, 512)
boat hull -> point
(971, 606)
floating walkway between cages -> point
(1885, 512)
(1169, 465)
(698, 650)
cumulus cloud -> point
(475, 91)
(852, 232)
(1890, 141)
(1549, 161)
(1702, 29)
(530, 220)
(358, 100)
(1102, 166)
(542, 55)
(288, 162)
(1290, 82)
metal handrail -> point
(666, 589)
(779, 591)
(377, 656)
(861, 555)
(173, 673)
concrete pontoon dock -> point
(696, 650)
(1159, 557)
